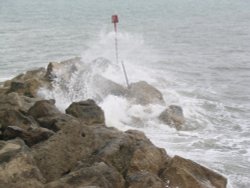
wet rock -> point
(68, 67)
(17, 167)
(88, 111)
(44, 108)
(97, 175)
(144, 179)
(31, 136)
(144, 94)
(105, 87)
(29, 83)
(173, 116)
(185, 173)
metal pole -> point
(116, 44)
(115, 21)
(125, 74)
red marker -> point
(115, 20)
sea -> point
(196, 52)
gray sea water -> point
(196, 52)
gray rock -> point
(144, 94)
(105, 87)
(88, 111)
(182, 172)
(173, 116)
(17, 167)
(44, 108)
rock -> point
(60, 154)
(97, 175)
(17, 167)
(105, 87)
(28, 88)
(87, 111)
(16, 118)
(31, 136)
(29, 83)
(185, 173)
(13, 101)
(132, 152)
(144, 94)
(44, 108)
(173, 116)
(13, 110)
(56, 123)
(68, 67)
(145, 179)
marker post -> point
(115, 20)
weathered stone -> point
(28, 87)
(132, 152)
(144, 94)
(59, 154)
(44, 108)
(185, 173)
(17, 167)
(16, 118)
(88, 111)
(31, 136)
(145, 179)
(173, 116)
(68, 67)
(99, 174)
(57, 122)
(105, 87)
(13, 110)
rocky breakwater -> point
(43, 147)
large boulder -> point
(29, 83)
(60, 154)
(88, 111)
(65, 69)
(13, 111)
(44, 108)
(105, 87)
(144, 94)
(16, 118)
(17, 167)
(132, 152)
(13, 101)
(173, 116)
(48, 116)
(185, 173)
(97, 175)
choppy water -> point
(196, 52)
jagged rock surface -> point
(144, 94)
(87, 111)
(55, 150)
(173, 116)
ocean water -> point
(197, 53)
